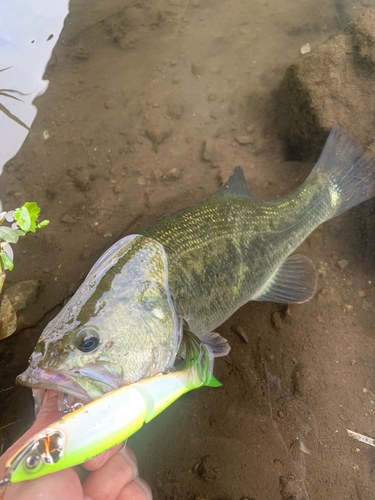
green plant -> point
(26, 218)
(9, 93)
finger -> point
(98, 461)
(109, 480)
(136, 490)
(59, 486)
(46, 416)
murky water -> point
(149, 107)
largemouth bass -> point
(190, 271)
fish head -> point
(119, 327)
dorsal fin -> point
(235, 187)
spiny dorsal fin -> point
(293, 282)
(235, 187)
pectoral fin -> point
(293, 282)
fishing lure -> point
(109, 420)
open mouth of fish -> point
(72, 394)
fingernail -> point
(124, 452)
(145, 487)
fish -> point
(185, 274)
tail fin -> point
(351, 172)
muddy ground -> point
(136, 90)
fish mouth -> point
(49, 379)
(85, 384)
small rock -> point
(353, 362)
(211, 154)
(8, 318)
(241, 332)
(158, 133)
(46, 270)
(82, 181)
(277, 321)
(142, 180)
(23, 294)
(250, 129)
(348, 307)
(342, 264)
(305, 49)
(244, 139)
(361, 293)
(174, 173)
(68, 219)
(158, 174)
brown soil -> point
(135, 90)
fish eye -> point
(32, 461)
(88, 340)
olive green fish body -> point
(201, 263)
(222, 251)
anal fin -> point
(293, 282)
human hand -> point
(112, 475)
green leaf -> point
(22, 216)
(33, 210)
(7, 260)
(8, 234)
(44, 223)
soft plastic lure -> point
(107, 421)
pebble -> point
(157, 134)
(211, 154)
(305, 49)
(82, 181)
(68, 219)
(241, 332)
(342, 264)
(244, 139)
(361, 293)
(174, 173)
(158, 174)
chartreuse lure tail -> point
(109, 420)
